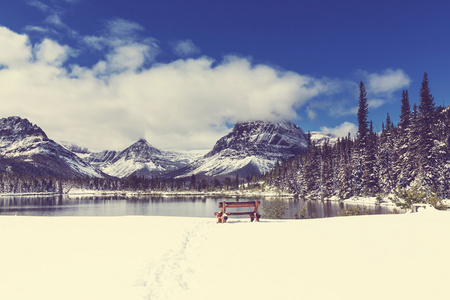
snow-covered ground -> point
(366, 257)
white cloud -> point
(342, 130)
(125, 58)
(18, 51)
(52, 53)
(185, 48)
(185, 104)
(387, 82)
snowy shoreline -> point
(370, 257)
(267, 195)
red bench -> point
(222, 216)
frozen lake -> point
(152, 206)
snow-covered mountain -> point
(26, 149)
(140, 159)
(251, 148)
(319, 138)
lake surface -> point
(154, 206)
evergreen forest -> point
(414, 154)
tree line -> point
(414, 154)
(12, 183)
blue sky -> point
(104, 73)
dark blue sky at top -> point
(334, 39)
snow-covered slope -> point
(251, 148)
(140, 159)
(26, 149)
(96, 159)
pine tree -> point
(401, 139)
(386, 157)
(357, 159)
(409, 159)
(444, 163)
(312, 175)
(326, 172)
(426, 125)
(369, 178)
(344, 179)
(363, 111)
(405, 112)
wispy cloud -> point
(387, 82)
(185, 48)
(125, 48)
(312, 114)
(122, 29)
(52, 23)
(39, 5)
(55, 20)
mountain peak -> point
(25, 149)
(140, 151)
(251, 148)
(142, 141)
(260, 137)
(144, 144)
(16, 126)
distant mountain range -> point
(251, 148)
(140, 159)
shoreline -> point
(357, 200)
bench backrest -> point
(239, 204)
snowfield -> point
(366, 257)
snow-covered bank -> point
(186, 193)
(367, 257)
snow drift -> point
(367, 257)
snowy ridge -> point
(141, 159)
